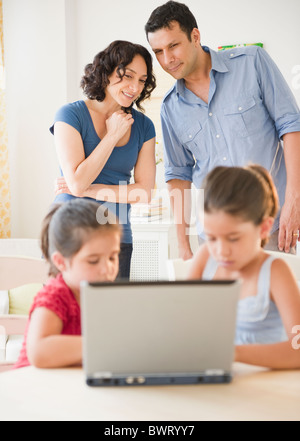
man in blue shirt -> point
(226, 108)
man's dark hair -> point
(163, 16)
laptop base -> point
(160, 380)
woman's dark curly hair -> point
(117, 55)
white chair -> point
(178, 269)
(20, 247)
(24, 276)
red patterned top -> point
(57, 297)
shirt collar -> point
(217, 64)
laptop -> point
(154, 333)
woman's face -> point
(126, 90)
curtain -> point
(4, 167)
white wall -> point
(35, 83)
(48, 43)
(272, 22)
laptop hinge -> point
(212, 372)
(102, 375)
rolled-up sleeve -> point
(179, 162)
(277, 95)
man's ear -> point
(265, 227)
(195, 35)
(59, 261)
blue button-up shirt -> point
(250, 107)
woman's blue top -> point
(118, 168)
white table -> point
(254, 394)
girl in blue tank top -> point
(100, 141)
(240, 205)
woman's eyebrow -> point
(133, 71)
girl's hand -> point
(236, 354)
(118, 124)
(60, 186)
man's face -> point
(173, 50)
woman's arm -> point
(46, 347)
(140, 191)
(79, 171)
(285, 294)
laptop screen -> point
(158, 329)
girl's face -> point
(96, 261)
(232, 241)
(129, 88)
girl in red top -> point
(81, 241)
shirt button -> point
(190, 136)
(224, 159)
(240, 108)
(217, 136)
(210, 114)
(231, 55)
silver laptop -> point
(146, 333)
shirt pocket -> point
(241, 116)
(192, 137)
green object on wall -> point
(223, 48)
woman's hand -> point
(60, 186)
(79, 170)
(118, 124)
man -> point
(226, 108)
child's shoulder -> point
(282, 271)
(283, 279)
(202, 252)
(54, 294)
(199, 262)
(278, 261)
(55, 286)
(274, 263)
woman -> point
(100, 140)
